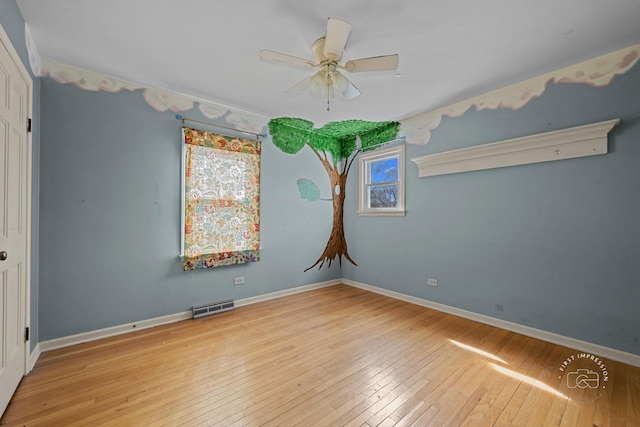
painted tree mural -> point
(336, 145)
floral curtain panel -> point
(222, 200)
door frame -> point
(4, 39)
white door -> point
(15, 90)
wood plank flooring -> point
(338, 356)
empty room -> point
(282, 213)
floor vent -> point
(213, 308)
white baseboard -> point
(163, 320)
(286, 292)
(33, 358)
(583, 346)
(112, 331)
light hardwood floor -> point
(331, 357)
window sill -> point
(382, 213)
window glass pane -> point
(383, 196)
(381, 189)
(384, 171)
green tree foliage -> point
(339, 139)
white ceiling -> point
(449, 49)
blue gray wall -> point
(556, 244)
(13, 24)
(110, 217)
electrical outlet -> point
(432, 282)
(238, 280)
(498, 307)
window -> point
(221, 223)
(382, 182)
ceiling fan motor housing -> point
(318, 50)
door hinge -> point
(26, 333)
(29, 125)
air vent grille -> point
(213, 308)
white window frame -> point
(365, 161)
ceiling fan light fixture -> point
(329, 84)
(340, 82)
(322, 86)
(317, 81)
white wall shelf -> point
(580, 141)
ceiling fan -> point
(328, 82)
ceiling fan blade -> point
(298, 88)
(338, 32)
(374, 63)
(270, 55)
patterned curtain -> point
(222, 200)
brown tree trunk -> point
(337, 244)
